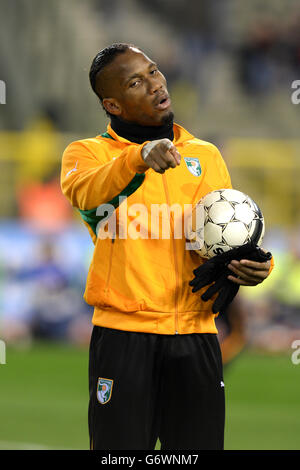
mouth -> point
(163, 102)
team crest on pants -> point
(104, 390)
(193, 165)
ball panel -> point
(244, 213)
(221, 212)
(210, 198)
(260, 239)
(234, 195)
(212, 233)
(217, 250)
(235, 234)
(198, 218)
(258, 229)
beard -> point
(168, 118)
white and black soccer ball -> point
(230, 219)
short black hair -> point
(103, 58)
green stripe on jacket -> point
(90, 216)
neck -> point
(140, 134)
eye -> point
(134, 84)
(153, 72)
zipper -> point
(109, 266)
(174, 254)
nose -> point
(154, 85)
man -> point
(155, 365)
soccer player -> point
(155, 367)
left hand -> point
(250, 273)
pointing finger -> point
(168, 145)
(173, 150)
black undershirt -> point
(140, 134)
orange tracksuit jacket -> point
(141, 283)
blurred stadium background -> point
(230, 66)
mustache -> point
(161, 97)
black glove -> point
(215, 271)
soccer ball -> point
(229, 219)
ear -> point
(112, 106)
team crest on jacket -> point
(193, 165)
(104, 390)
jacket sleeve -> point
(88, 180)
(272, 265)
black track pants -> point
(147, 386)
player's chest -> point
(184, 184)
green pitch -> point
(44, 399)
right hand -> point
(161, 155)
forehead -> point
(130, 62)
